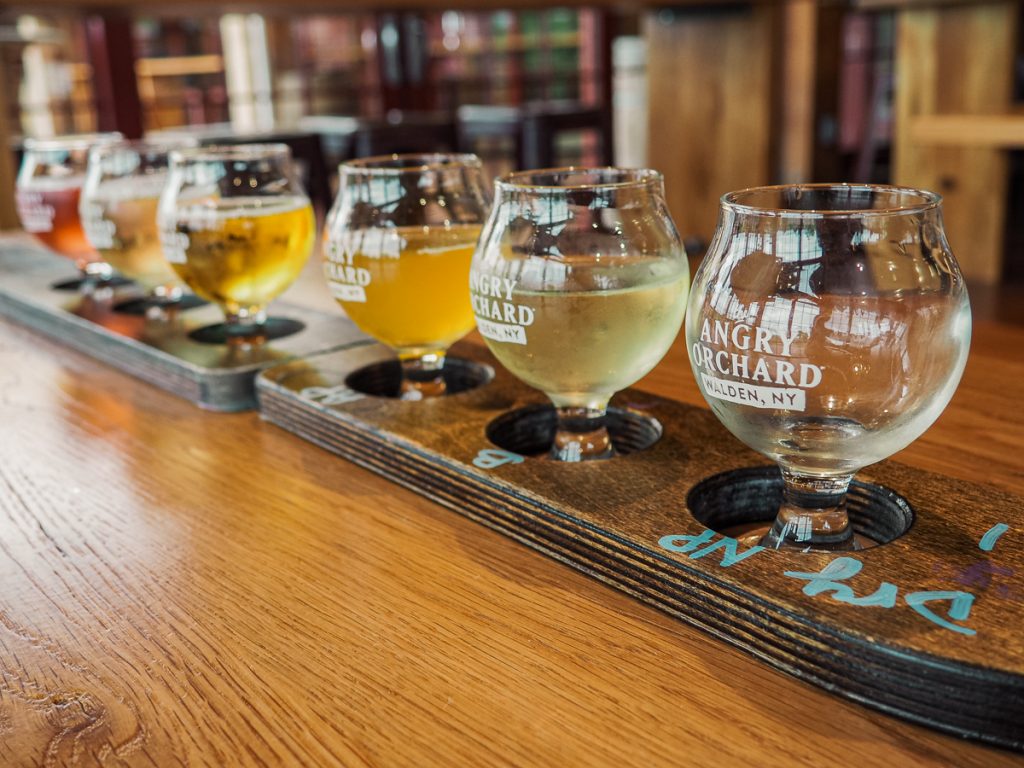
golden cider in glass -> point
(241, 252)
(407, 287)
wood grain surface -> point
(185, 588)
(612, 521)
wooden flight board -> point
(163, 352)
(926, 626)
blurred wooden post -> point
(958, 60)
(8, 173)
(112, 56)
(796, 100)
(710, 96)
(404, 60)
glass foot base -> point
(222, 333)
(143, 306)
(753, 534)
(85, 284)
(530, 431)
(744, 502)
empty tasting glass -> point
(579, 286)
(828, 327)
(398, 243)
(47, 193)
(237, 227)
(118, 208)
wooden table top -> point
(182, 587)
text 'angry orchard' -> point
(754, 359)
(498, 316)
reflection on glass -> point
(579, 286)
(47, 194)
(237, 227)
(118, 211)
(828, 327)
(398, 243)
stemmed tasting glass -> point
(398, 243)
(118, 209)
(828, 327)
(579, 286)
(237, 227)
(47, 193)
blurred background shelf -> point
(717, 95)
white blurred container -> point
(629, 101)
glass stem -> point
(581, 435)
(813, 516)
(422, 376)
(245, 325)
(95, 280)
(167, 294)
(97, 270)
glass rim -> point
(515, 179)
(72, 141)
(228, 152)
(409, 162)
(927, 200)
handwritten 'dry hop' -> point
(829, 581)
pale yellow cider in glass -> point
(136, 252)
(407, 287)
(122, 222)
(242, 252)
(584, 344)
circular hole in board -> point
(530, 431)
(734, 502)
(384, 379)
